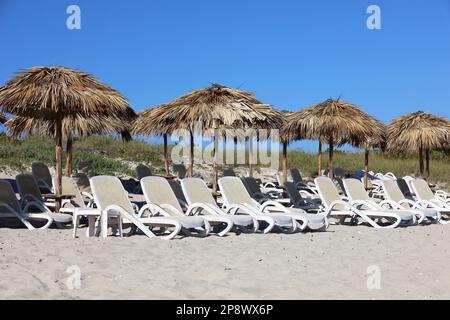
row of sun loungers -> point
(187, 206)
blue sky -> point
(290, 53)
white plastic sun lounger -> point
(427, 199)
(395, 199)
(70, 187)
(10, 208)
(30, 193)
(237, 199)
(336, 207)
(199, 196)
(359, 198)
(112, 199)
(42, 175)
(161, 199)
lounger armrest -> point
(269, 185)
(42, 184)
(37, 205)
(235, 207)
(306, 194)
(360, 203)
(427, 204)
(20, 216)
(27, 198)
(391, 204)
(332, 206)
(411, 204)
(154, 210)
(278, 206)
(197, 208)
(169, 208)
(87, 195)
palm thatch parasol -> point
(58, 93)
(333, 122)
(2, 118)
(146, 125)
(418, 132)
(74, 125)
(217, 108)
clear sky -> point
(290, 53)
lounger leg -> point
(173, 233)
(76, 220)
(255, 225)
(91, 228)
(271, 223)
(104, 224)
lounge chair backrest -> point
(176, 188)
(234, 191)
(327, 191)
(339, 172)
(180, 170)
(341, 185)
(422, 190)
(355, 190)
(27, 185)
(82, 181)
(108, 191)
(229, 173)
(157, 191)
(70, 187)
(292, 192)
(8, 197)
(251, 185)
(41, 172)
(196, 191)
(392, 190)
(143, 171)
(296, 176)
(404, 188)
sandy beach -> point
(413, 264)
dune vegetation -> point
(109, 155)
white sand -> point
(414, 264)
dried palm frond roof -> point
(342, 121)
(2, 118)
(43, 92)
(418, 130)
(216, 107)
(72, 125)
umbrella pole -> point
(284, 164)
(59, 154)
(250, 157)
(215, 167)
(191, 156)
(330, 160)
(427, 159)
(166, 156)
(319, 160)
(366, 167)
(69, 155)
(421, 161)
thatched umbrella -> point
(334, 122)
(57, 93)
(419, 132)
(73, 126)
(215, 108)
(146, 125)
(2, 118)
